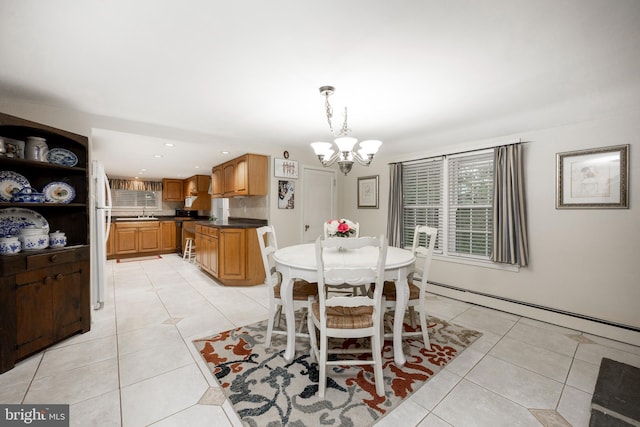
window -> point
(455, 195)
(137, 199)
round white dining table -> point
(299, 262)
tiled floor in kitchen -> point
(137, 365)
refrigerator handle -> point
(108, 204)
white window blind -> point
(470, 201)
(136, 199)
(423, 198)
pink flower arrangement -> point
(340, 228)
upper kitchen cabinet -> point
(196, 184)
(243, 176)
(172, 190)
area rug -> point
(265, 390)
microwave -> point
(186, 213)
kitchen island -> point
(229, 250)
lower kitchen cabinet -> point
(231, 255)
(44, 298)
(168, 236)
(132, 238)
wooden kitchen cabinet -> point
(196, 184)
(231, 255)
(244, 176)
(217, 181)
(172, 190)
(138, 237)
(168, 242)
(111, 246)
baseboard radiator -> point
(581, 322)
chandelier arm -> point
(360, 160)
(331, 160)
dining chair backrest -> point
(344, 274)
(423, 254)
(268, 246)
(356, 227)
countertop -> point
(159, 218)
(235, 223)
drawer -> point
(212, 231)
(200, 229)
(58, 257)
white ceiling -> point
(213, 75)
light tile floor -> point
(137, 366)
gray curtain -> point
(510, 240)
(394, 222)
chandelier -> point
(345, 153)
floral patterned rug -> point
(266, 391)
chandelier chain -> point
(344, 131)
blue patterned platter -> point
(11, 182)
(58, 192)
(61, 156)
(12, 220)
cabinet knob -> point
(47, 280)
(59, 276)
(53, 258)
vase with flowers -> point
(341, 228)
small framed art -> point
(286, 194)
(593, 179)
(285, 168)
(368, 192)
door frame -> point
(334, 202)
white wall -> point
(584, 261)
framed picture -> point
(286, 194)
(368, 192)
(593, 179)
(14, 148)
(285, 168)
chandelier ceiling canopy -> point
(342, 150)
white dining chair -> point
(417, 283)
(362, 290)
(303, 291)
(347, 316)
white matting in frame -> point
(285, 168)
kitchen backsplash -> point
(248, 207)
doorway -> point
(319, 201)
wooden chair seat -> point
(346, 317)
(302, 290)
(389, 291)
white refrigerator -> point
(100, 224)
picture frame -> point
(368, 192)
(13, 148)
(285, 168)
(596, 178)
(286, 194)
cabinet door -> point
(172, 190)
(34, 314)
(241, 176)
(149, 239)
(229, 178)
(213, 256)
(232, 253)
(70, 299)
(199, 242)
(217, 181)
(168, 232)
(111, 244)
(126, 240)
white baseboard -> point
(521, 309)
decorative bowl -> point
(57, 240)
(27, 195)
(10, 245)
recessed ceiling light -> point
(157, 156)
(168, 144)
(143, 170)
(197, 167)
(224, 152)
(136, 177)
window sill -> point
(478, 263)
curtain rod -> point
(520, 141)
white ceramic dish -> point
(58, 192)
(13, 220)
(10, 183)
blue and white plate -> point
(11, 182)
(61, 156)
(12, 220)
(58, 192)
